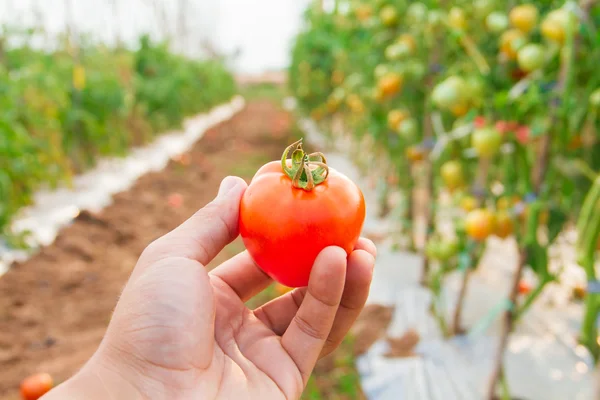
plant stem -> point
(530, 299)
(456, 319)
(507, 327)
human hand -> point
(180, 332)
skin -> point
(278, 221)
(180, 332)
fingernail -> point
(226, 185)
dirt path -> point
(55, 307)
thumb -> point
(206, 232)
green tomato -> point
(381, 70)
(432, 249)
(475, 89)
(486, 142)
(408, 129)
(339, 94)
(452, 174)
(388, 15)
(595, 98)
(531, 57)
(414, 70)
(436, 18)
(416, 13)
(447, 249)
(483, 8)
(451, 92)
(496, 22)
(397, 51)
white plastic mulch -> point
(93, 190)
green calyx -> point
(307, 170)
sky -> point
(262, 30)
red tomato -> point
(522, 134)
(284, 226)
(479, 122)
(524, 287)
(35, 386)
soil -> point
(54, 308)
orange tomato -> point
(390, 84)
(284, 217)
(510, 42)
(415, 154)
(459, 109)
(337, 77)
(504, 225)
(479, 224)
(524, 17)
(395, 118)
(35, 386)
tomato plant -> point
(316, 207)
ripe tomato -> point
(286, 218)
(388, 15)
(531, 57)
(479, 122)
(504, 225)
(452, 174)
(522, 134)
(35, 386)
(486, 142)
(390, 84)
(395, 118)
(479, 224)
(510, 42)
(496, 22)
(415, 154)
(457, 18)
(524, 287)
(524, 17)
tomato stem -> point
(306, 171)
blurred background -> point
(470, 126)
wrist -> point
(95, 381)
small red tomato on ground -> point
(175, 200)
(293, 209)
(524, 287)
(35, 386)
